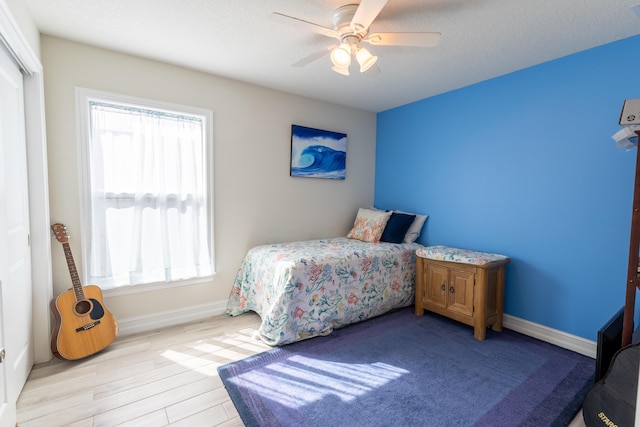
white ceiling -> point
(481, 39)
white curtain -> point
(150, 210)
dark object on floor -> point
(612, 400)
(609, 342)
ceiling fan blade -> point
(404, 39)
(305, 25)
(366, 13)
(312, 57)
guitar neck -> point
(75, 279)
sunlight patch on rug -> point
(304, 380)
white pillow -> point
(416, 227)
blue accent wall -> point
(524, 165)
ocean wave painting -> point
(318, 153)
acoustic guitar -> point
(83, 326)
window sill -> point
(136, 289)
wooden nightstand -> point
(463, 285)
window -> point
(147, 191)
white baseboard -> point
(134, 325)
(550, 335)
(154, 321)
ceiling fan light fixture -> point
(351, 24)
(341, 55)
(365, 59)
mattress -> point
(309, 288)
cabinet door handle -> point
(442, 288)
(451, 289)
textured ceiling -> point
(481, 39)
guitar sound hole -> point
(83, 307)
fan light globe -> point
(365, 59)
(341, 55)
(341, 70)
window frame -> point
(83, 98)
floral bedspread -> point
(306, 289)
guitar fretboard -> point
(75, 279)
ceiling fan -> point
(351, 28)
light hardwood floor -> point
(162, 378)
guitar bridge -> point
(88, 326)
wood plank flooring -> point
(162, 378)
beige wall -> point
(256, 201)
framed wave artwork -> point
(318, 153)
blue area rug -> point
(404, 370)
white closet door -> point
(15, 260)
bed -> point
(305, 289)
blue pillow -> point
(397, 227)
